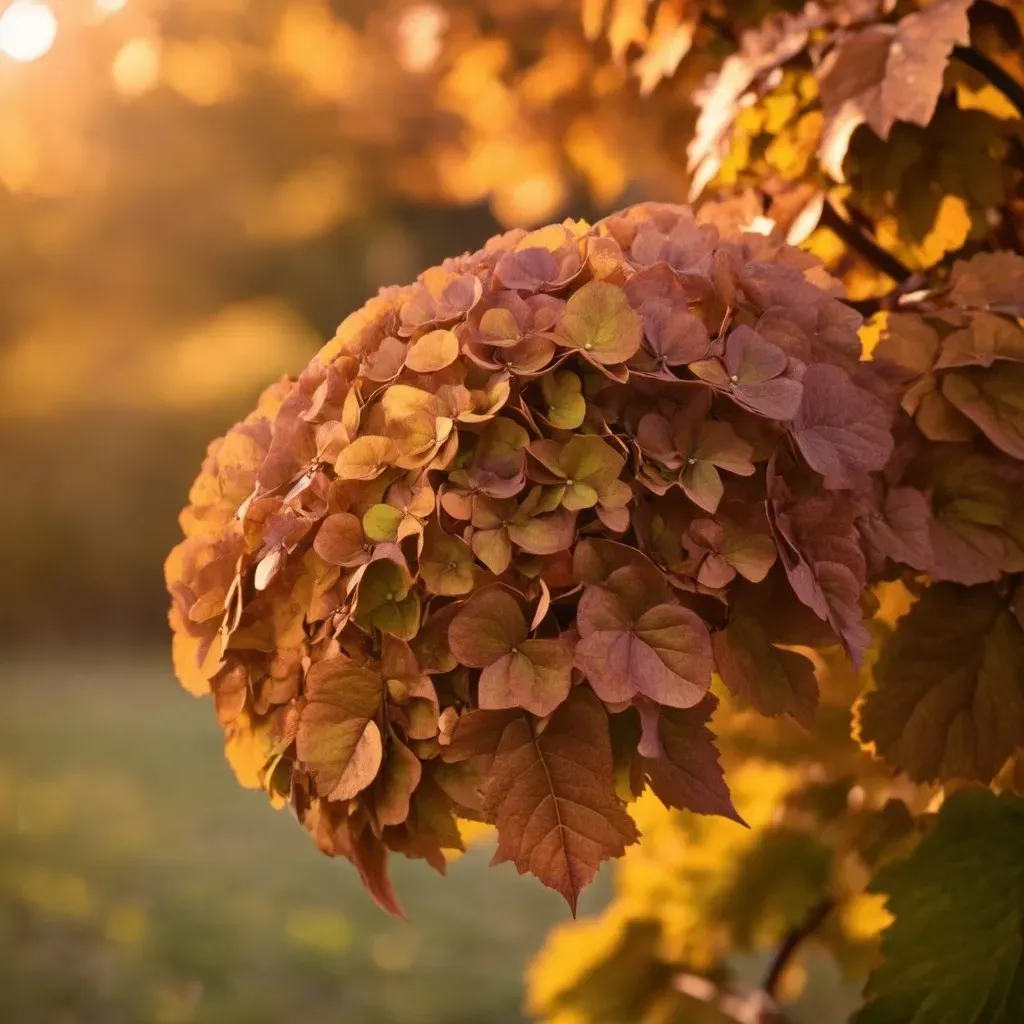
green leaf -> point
(386, 601)
(955, 952)
(563, 393)
(381, 522)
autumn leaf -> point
(970, 510)
(552, 798)
(722, 548)
(900, 528)
(337, 739)
(774, 680)
(477, 734)
(672, 337)
(687, 774)
(842, 431)
(990, 280)
(542, 534)
(631, 645)
(588, 467)
(398, 781)
(884, 73)
(446, 565)
(490, 633)
(381, 522)
(752, 373)
(365, 458)
(949, 702)
(986, 340)
(432, 352)
(600, 324)
(993, 400)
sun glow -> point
(27, 30)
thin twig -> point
(1004, 82)
(863, 244)
(815, 918)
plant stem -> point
(815, 918)
(863, 244)
(1004, 82)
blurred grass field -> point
(139, 883)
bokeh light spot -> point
(27, 30)
(136, 67)
(420, 37)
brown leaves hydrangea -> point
(949, 701)
(526, 504)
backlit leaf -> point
(774, 680)
(883, 73)
(949, 703)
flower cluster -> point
(481, 559)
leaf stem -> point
(863, 243)
(814, 919)
(1003, 81)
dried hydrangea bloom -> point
(482, 557)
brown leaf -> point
(553, 800)
(433, 352)
(949, 702)
(687, 774)
(490, 633)
(842, 431)
(362, 767)
(341, 699)
(340, 541)
(661, 651)
(478, 734)
(899, 529)
(774, 680)
(990, 280)
(886, 73)
(600, 324)
(401, 776)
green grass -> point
(139, 883)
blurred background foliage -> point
(193, 193)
